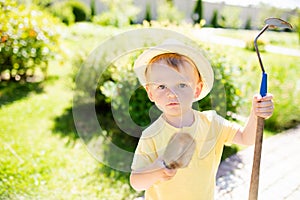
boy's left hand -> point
(263, 106)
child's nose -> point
(171, 93)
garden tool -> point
(253, 192)
(179, 151)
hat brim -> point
(195, 55)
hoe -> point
(253, 192)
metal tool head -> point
(271, 22)
(277, 23)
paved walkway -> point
(208, 35)
(279, 170)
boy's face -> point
(173, 91)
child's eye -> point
(161, 87)
(182, 85)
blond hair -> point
(175, 61)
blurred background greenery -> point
(45, 43)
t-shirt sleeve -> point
(228, 129)
(145, 154)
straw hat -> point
(174, 46)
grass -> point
(41, 155)
(38, 161)
(284, 39)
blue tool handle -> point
(263, 85)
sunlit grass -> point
(38, 163)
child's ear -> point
(198, 90)
(149, 93)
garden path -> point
(279, 170)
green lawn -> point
(41, 156)
(284, 39)
(39, 160)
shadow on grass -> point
(64, 125)
(11, 91)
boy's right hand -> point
(168, 174)
(145, 178)
(164, 173)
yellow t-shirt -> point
(197, 181)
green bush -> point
(230, 17)
(168, 12)
(123, 106)
(248, 24)
(260, 44)
(28, 40)
(70, 11)
(225, 96)
(118, 14)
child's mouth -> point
(173, 104)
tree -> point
(93, 7)
(198, 12)
(148, 15)
(214, 20)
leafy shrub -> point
(230, 17)
(248, 24)
(168, 12)
(123, 105)
(70, 11)
(118, 14)
(260, 44)
(225, 96)
(28, 40)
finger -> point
(265, 110)
(265, 115)
(170, 172)
(268, 96)
(258, 97)
(264, 104)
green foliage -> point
(70, 11)
(248, 23)
(282, 83)
(224, 96)
(214, 20)
(93, 8)
(41, 3)
(169, 13)
(148, 14)
(260, 44)
(119, 13)
(295, 21)
(198, 11)
(28, 40)
(230, 17)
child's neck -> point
(185, 120)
